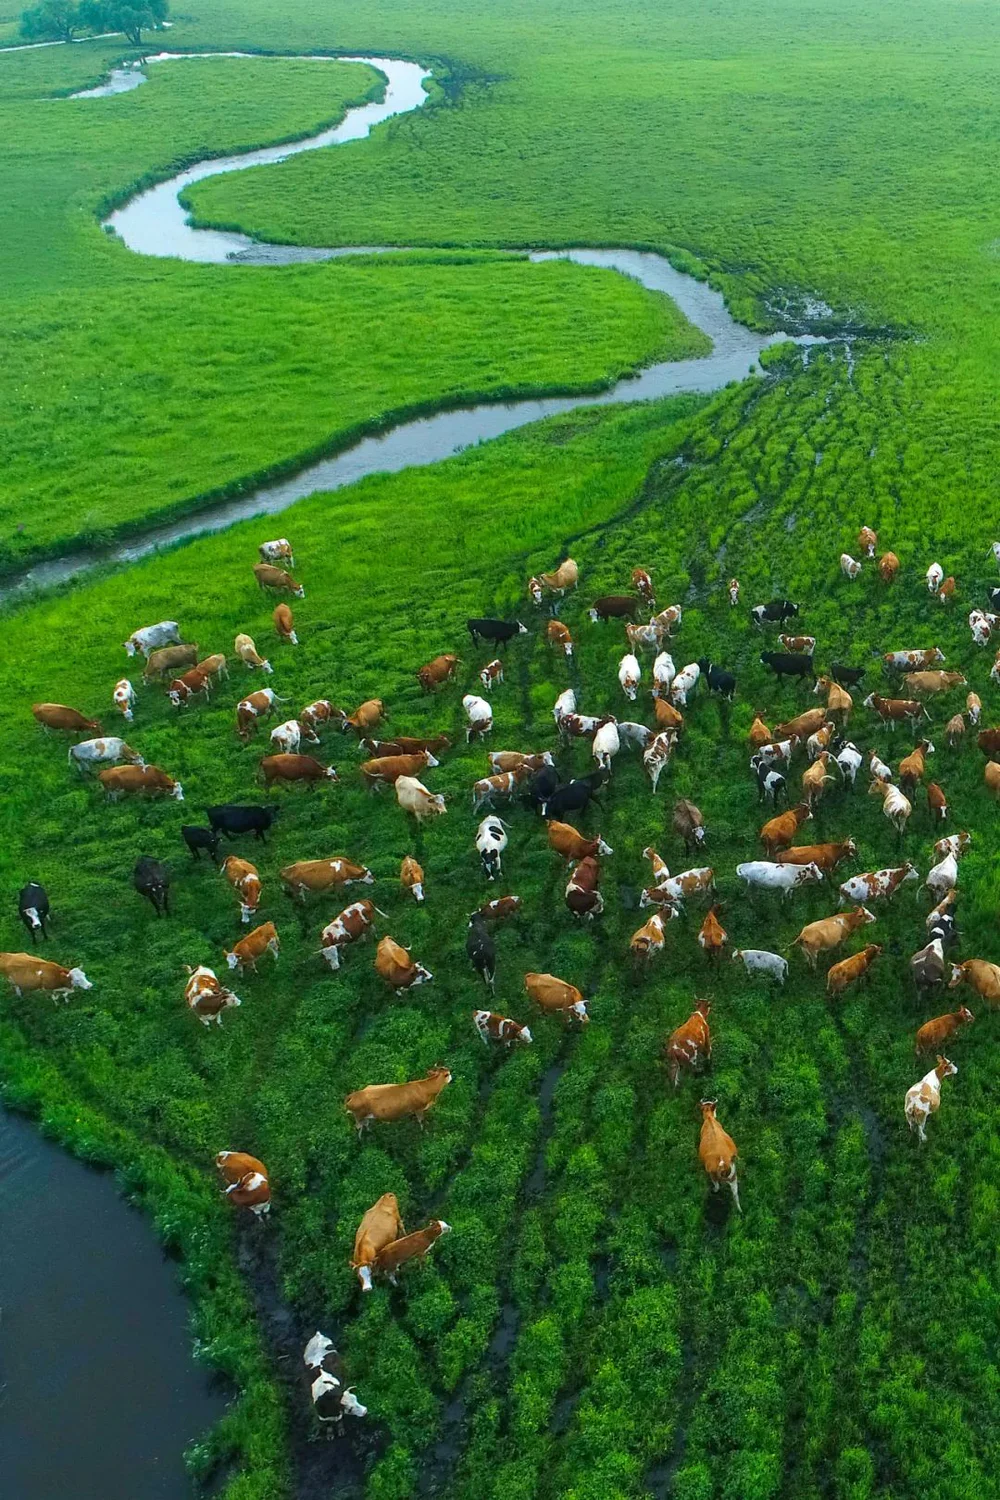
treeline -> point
(62, 20)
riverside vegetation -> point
(596, 1324)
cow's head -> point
(79, 980)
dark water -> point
(99, 1393)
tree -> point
(52, 20)
(129, 16)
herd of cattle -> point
(816, 736)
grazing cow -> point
(389, 1102)
(409, 1247)
(557, 634)
(556, 996)
(850, 760)
(571, 845)
(771, 785)
(838, 700)
(279, 551)
(955, 730)
(818, 742)
(913, 661)
(846, 676)
(991, 776)
(629, 675)
(259, 705)
(380, 1225)
(58, 716)
(713, 937)
(353, 924)
(775, 613)
(309, 877)
(33, 909)
(411, 877)
(816, 777)
(270, 577)
(101, 752)
(981, 976)
(667, 716)
(981, 625)
(394, 964)
(868, 541)
(934, 577)
(893, 711)
(798, 644)
(317, 714)
(501, 908)
(643, 585)
(688, 823)
(232, 819)
(942, 877)
(614, 607)
(913, 766)
(413, 797)
(850, 970)
(648, 939)
(760, 961)
(733, 589)
(767, 876)
(690, 1044)
(284, 624)
(123, 698)
(493, 1027)
(760, 734)
(576, 726)
(480, 716)
(566, 576)
(497, 632)
(244, 954)
(877, 768)
(988, 741)
(152, 880)
(948, 590)
(118, 781)
(668, 619)
(491, 841)
(201, 838)
(295, 768)
(924, 1098)
(606, 743)
(876, 885)
(719, 681)
(481, 951)
(434, 673)
(575, 795)
(780, 831)
(676, 888)
(385, 770)
(23, 971)
(287, 737)
(582, 894)
(937, 803)
(929, 967)
(788, 663)
(933, 1034)
(248, 654)
(895, 806)
(849, 566)
(632, 734)
(664, 673)
(888, 567)
(405, 744)
(925, 684)
(513, 760)
(247, 1181)
(684, 683)
(166, 633)
(168, 660)
(802, 726)
(717, 1152)
(777, 753)
(830, 932)
(189, 685)
(245, 881)
(663, 899)
(827, 856)
(644, 636)
(204, 994)
(974, 706)
(329, 1395)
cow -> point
(491, 841)
(658, 866)
(760, 734)
(480, 716)
(248, 654)
(991, 777)
(788, 663)
(614, 607)
(152, 880)
(913, 766)
(850, 970)
(576, 726)
(380, 1225)
(270, 577)
(33, 909)
(634, 735)
(245, 881)
(648, 939)
(893, 711)
(385, 770)
(166, 633)
(168, 660)
(117, 781)
(198, 839)
(942, 877)
(493, 1027)
(767, 876)
(279, 551)
(315, 715)
(232, 819)
(295, 768)
(575, 795)
(838, 700)
(405, 744)
(760, 961)
(566, 576)
(564, 706)
(287, 737)
(497, 632)
(713, 937)
(513, 760)
(244, 954)
(394, 964)
(413, 797)
(929, 966)
(876, 885)
(849, 566)
(934, 577)
(895, 806)
(666, 715)
(259, 705)
(206, 997)
(284, 624)
(644, 637)
(924, 1098)
(688, 823)
(23, 971)
(717, 1152)
(988, 741)
(668, 619)
(816, 777)
(981, 976)
(877, 768)
(246, 1181)
(888, 567)
(58, 716)
(689, 1044)
(933, 1034)
(827, 856)
(188, 686)
(555, 996)
(818, 742)
(557, 634)
(775, 613)
(718, 680)
(437, 672)
(308, 877)
(571, 845)
(501, 908)
(676, 888)
(850, 761)
(629, 675)
(409, 1247)
(102, 752)
(664, 673)
(733, 590)
(981, 626)
(779, 832)
(771, 785)
(684, 684)
(411, 877)
(868, 541)
(582, 894)
(948, 590)
(124, 698)
(643, 585)
(830, 932)
(350, 926)
(994, 552)
(480, 950)
(491, 674)
(937, 803)
(801, 726)
(388, 1102)
(606, 743)
(330, 1397)
(846, 676)
(926, 684)
(798, 644)
(955, 730)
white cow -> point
(630, 733)
(109, 751)
(286, 738)
(656, 756)
(664, 673)
(491, 841)
(151, 637)
(924, 1098)
(124, 699)
(629, 674)
(850, 760)
(895, 806)
(479, 714)
(849, 566)
(565, 704)
(684, 683)
(606, 744)
(277, 551)
(942, 878)
(760, 961)
(935, 577)
(767, 876)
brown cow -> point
(933, 1034)
(888, 567)
(120, 780)
(295, 768)
(23, 971)
(284, 624)
(254, 706)
(838, 701)
(582, 895)
(438, 671)
(411, 877)
(496, 1028)
(408, 1247)
(394, 964)
(717, 1152)
(385, 770)
(352, 924)
(58, 716)
(849, 970)
(688, 823)
(759, 733)
(830, 932)
(488, 790)
(925, 684)
(981, 976)
(491, 674)
(314, 876)
(991, 776)
(913, 766)
(648, 939)
(244, 954)
(614, 607)
(947, 590)
(248, 654)
(167, 660)
(204, 994)
(827, 856)
(245, 881)
(366, 716)
(690, 1044)
(269, 577)
(314, 715)
(566, 576)
(893, 711)
(396, 1101)
(406, 745)
(643, 585)
(955, 730)
(815, 779)
(867, 541)
(713, 937)
(779, 832)
(378, 1228)
(188, 686)
(555, 995)
(557, 634)
(500, 909)
(514, 760)
(937, 803)
(988, 741)
(246, 1179)
(666, 715)
(803, 725)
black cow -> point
(994, 595)
(233, 820)
(481, 950)
(777, 611)
(201, 838)
(499, 632)
(945, 929)
(152, 880)
(718, 680)
(574, 796)
(846, 676)
(33, 909)
(788, 663)
(331, 1398)
(538, 788)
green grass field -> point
(597, 1325)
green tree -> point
(129, 16)
(52, 20)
